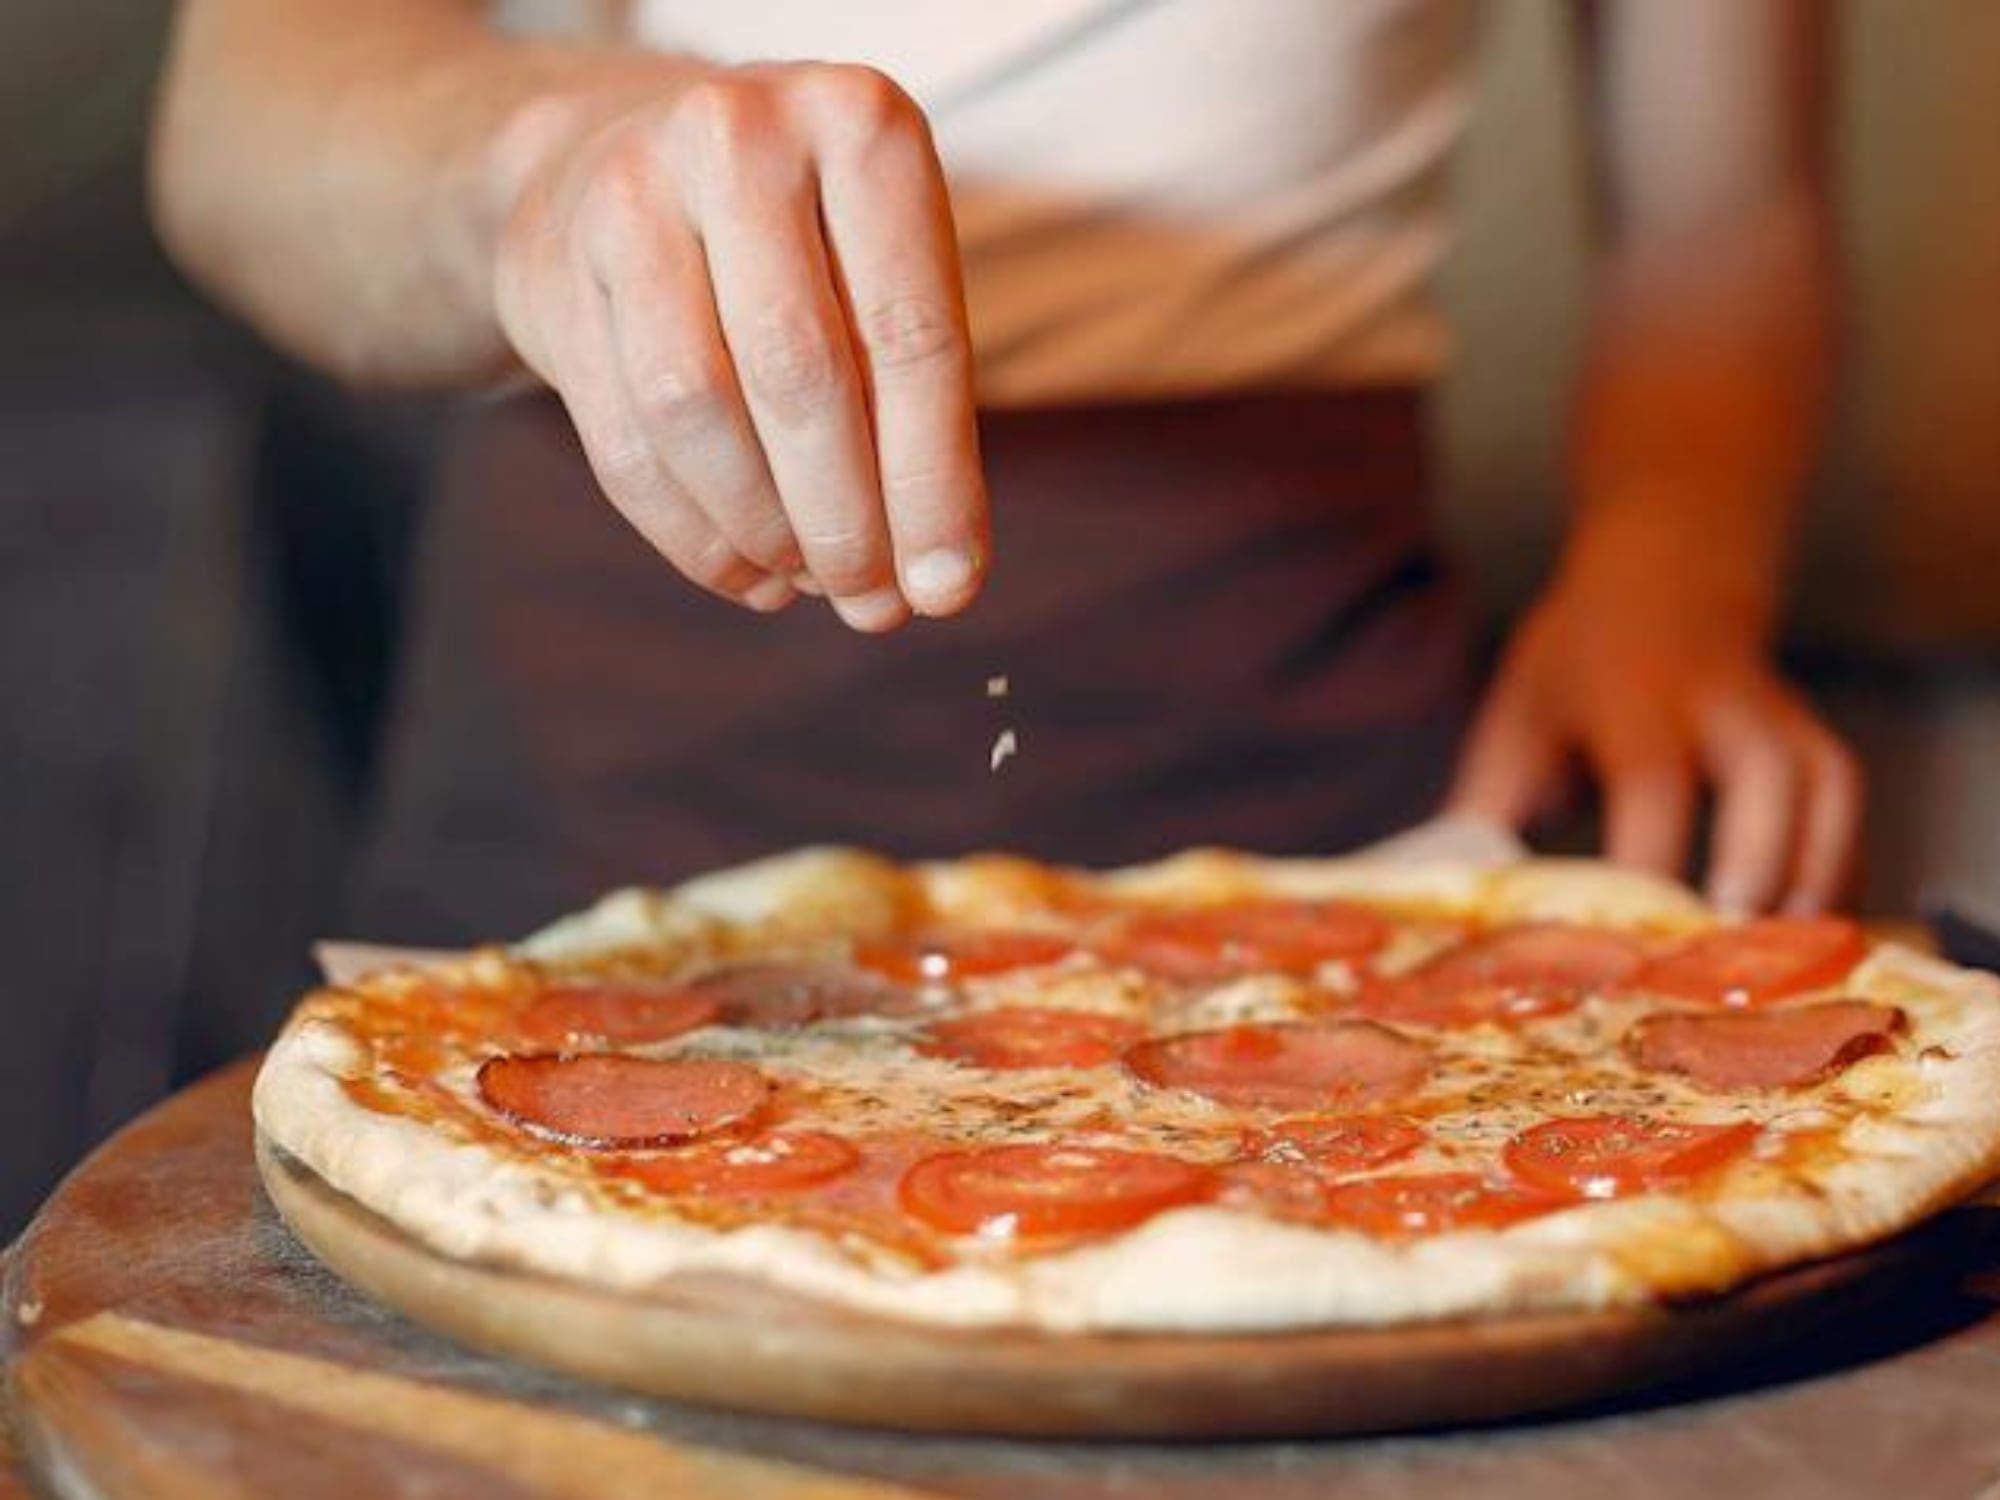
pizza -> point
(1214, 1093)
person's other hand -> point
(744, 285)
(1661, 688)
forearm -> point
(339, 173)
(1699, 406)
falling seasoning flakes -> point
(1003, 747)
(1006, 745)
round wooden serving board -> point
(733, 1343)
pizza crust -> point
(1194, 1269)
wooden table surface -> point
(168, 1337)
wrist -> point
(1679, 555)
(1682, 566)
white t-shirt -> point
(1163, 197)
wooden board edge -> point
(735, 1345)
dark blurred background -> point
(201, 549)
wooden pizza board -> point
(736, 1344)
(166, 1337)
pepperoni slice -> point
(1426, 1203)
(1008, 1192)
(1416, 1001)
(949, 958)
(1786, 1047)
(623, 1012)
(1027, 1037)
(1753, 963)
(1305, 1066)
(1218, 942)
(1608, 1156)
(1538, 955)
(609, 1100)
(1336, 1144)
(781, 996)
(767, 1165)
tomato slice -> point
(946, 958)
(623, 1012)
(1028, 1037)
(1752, 963)
(778, 1162)
(1538, 955)
(1402, 1207)
(1335, 1144)
(1008, 1192)
(1452, 1005)
(1609, 1156)
(1205, 943)
(1302, 1066)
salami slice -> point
(1752, 963)
(782, 996)
(1323, 1065)
(623, 1012)
(605, 1100)
(1764, 1049)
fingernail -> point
(939, 580)
(771, 595)
(881, 610)
(806, 584)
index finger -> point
(887, 219)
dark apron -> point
(1221, 622)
